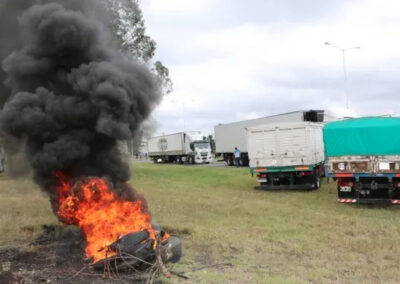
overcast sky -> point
(232, 60)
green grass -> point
(232, 233)
(275, 236)
(23, 210)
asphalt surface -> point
(212, 164)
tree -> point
(129, 31)
(211, 140)
(163, 73)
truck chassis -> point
(289, 178)
(368, 189)
(362, 180)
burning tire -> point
(137, 251)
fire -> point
(101, 215)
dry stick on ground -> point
(80, 271)
(159, 265)
(212, 265)
(113, 271)
(180, 275)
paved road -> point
(212, 164)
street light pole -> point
(343, 50)
(183, 105)
(346, 89)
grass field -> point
(234, 234)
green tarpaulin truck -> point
(364, 156)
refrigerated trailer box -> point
(286, 155)
(180, 147)
(364, 156)
(231, 135)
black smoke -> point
(67, 94)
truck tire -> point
(229, 161)
(317, 179)
(191, 160)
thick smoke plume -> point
(67, 94)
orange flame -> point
(101, 215)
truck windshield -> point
(201, 145)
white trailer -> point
(180, 147)
(231, 135)
(287, 155)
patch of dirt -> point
(55, 257)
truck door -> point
(292, 143)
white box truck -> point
(287, 155)
(231, 135)
(180, 147)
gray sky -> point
(232, 60)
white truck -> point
(287, 155)
(182, 147)
(231, 135)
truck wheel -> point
(317, 180)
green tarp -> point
(363, 136)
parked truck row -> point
(231, 135)
(294, 150)
(362, 155)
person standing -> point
(237, 157)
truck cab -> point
(201, 151)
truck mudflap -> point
(369, 201)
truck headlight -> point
(341, 166)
